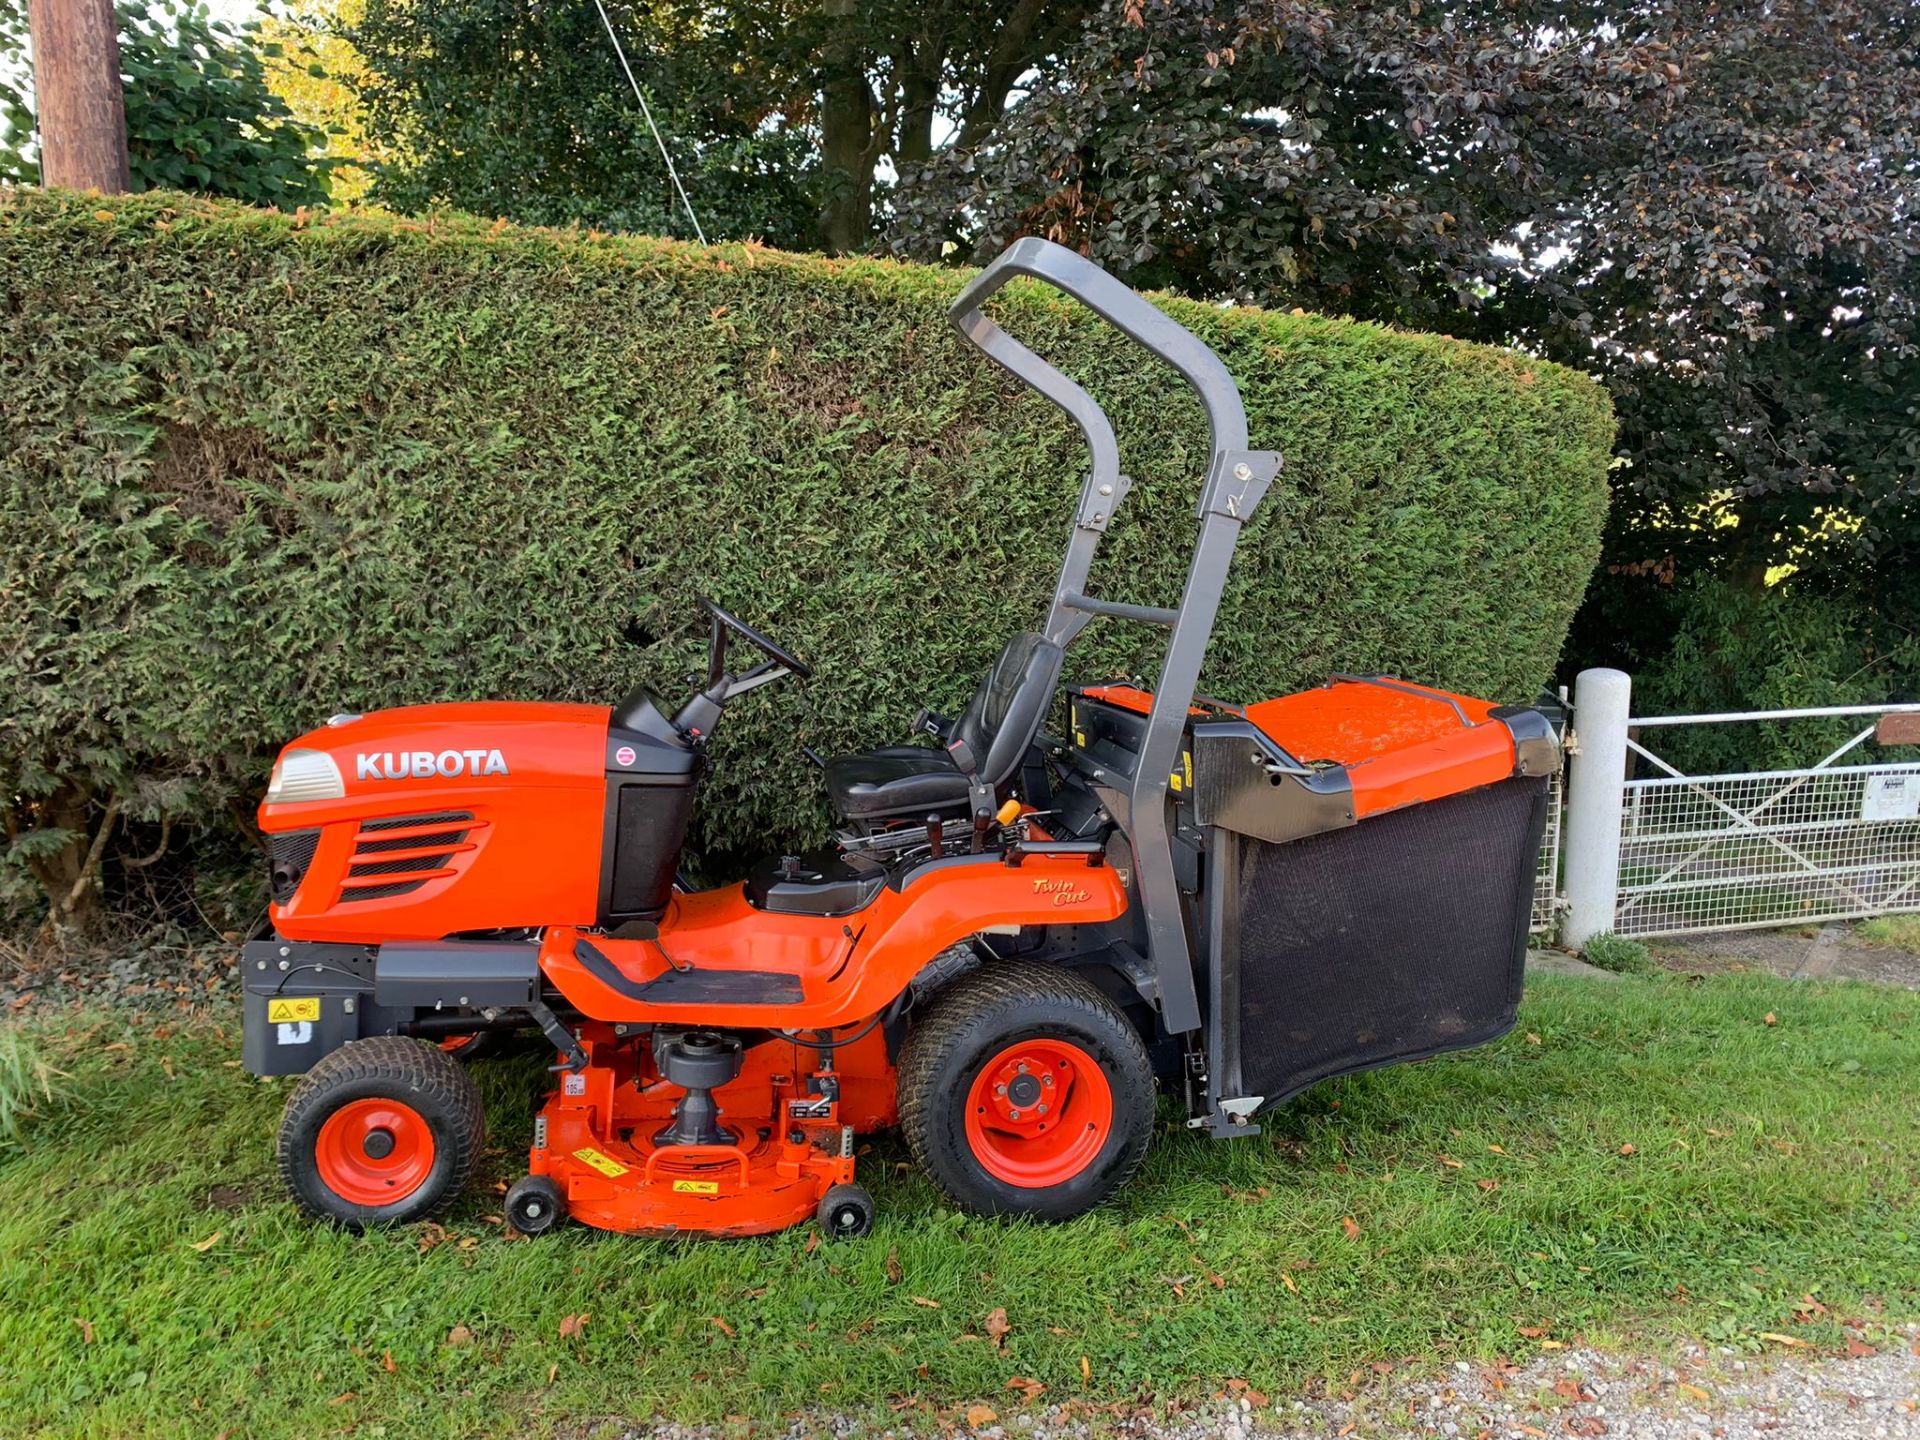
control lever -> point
(936, 835)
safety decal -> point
(624, 755)
(605, 1164)
(696, 1187)
(574, 1083)
(287, 1012)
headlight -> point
(305, 775)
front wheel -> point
(1026, 1091)
(383, 1131)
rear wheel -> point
(1026, 1091)
(383, 1131)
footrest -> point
(694, 987)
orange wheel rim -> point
(374, 1152)
(454, 1044)
(1038, 1113)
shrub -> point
(261, 468)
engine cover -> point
(435, 820)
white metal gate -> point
(1835, 839)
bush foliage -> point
(261, 468)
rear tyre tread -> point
(396, 1067)
(974, 1001)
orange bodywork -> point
(844, 978)
(595, 1138)
(531, 855)
(1398, 746)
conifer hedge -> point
(260, 468)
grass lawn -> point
(1655, 1155)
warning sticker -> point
(288, 1012)
(696, 1187)
(605, 1164)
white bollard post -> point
(1602, 702)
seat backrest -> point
(1007, 709)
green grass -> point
(1893, 932)
(1767, 1161)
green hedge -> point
(261, 468)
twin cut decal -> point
(425, 765)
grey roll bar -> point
(1237, 479)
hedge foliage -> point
(263, 467)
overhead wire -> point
(645, 110)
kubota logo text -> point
(425, 765)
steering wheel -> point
(779, 653)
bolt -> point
(1106, 489)
(1014, 1115)
(1047, 1080)
(1243, 471)
(1023, 1067)
(999, 1089)
(1043, 1108)
(533, 1210)
(284, 965)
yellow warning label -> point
(605, 1164)
(696, 1187)
(1182, 779)
(1186, 759)
(289, 1012)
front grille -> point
(289, 854)
(431, 859)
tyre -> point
(846, 1213)
(1025, 1091)
(383, 1131)
(535, 1205)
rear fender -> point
(719, 961)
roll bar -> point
(1236, 480)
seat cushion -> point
(899, 780)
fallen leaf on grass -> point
(723, 1327)
(1858, 1349)
(979, 1416)
(1287, 1280)
(998, 1327)
(894, 1272)
(387, 1362)
(924, 1302)
(202, 1246)
(1586, 1425)
(86, 1332)
(1086, 1367)
(553, 1371)
(1032, 1389)
(1488, 1184)
(1496, 1150)
(342, 1399)
(1532, 1039)
(1351, 1226)
(1779, 1339)
(1451, 1163)
(1533, 1332)
(572, 1326)
(431, 1234)
(1553, 1344)
(1693, 1392)
(1628, 1149)
(459, 1336)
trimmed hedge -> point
(261, 468)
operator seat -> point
(984, 745)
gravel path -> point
(1696, 1394)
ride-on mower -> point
(1015, 936)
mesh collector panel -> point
(1399, 937)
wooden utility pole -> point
(76, 89)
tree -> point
(785, 118)
(199, 113)
(1713, 205)
(76, 61)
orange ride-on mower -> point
(1015, 938)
